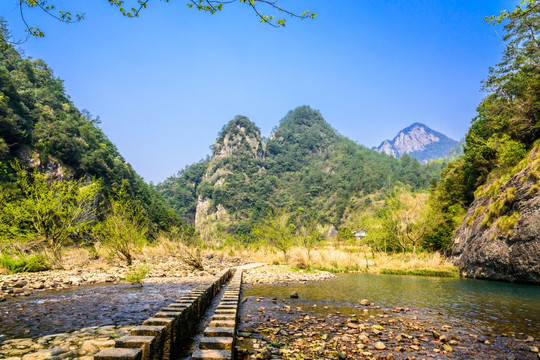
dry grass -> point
(349, 259)
(333, 257)
(428, 264)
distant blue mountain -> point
(419, 141)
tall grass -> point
(350, 259)
(20, 262)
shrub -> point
(48, 210)
(124, 228)
(507, 224)
(23, 263)
(136, 274)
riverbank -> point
(283, 274)
(277, 329)
(337, 258)
(80, 269)
(82, 344)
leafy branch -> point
(133, 11)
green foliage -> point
(503, 132)
(508, 152)
(48, 210)
(423, 272)
(135, 274)
(180, 190)
(133, 8)
(499, 206)
(305, 164)
(276, 231)
(507, 224)
(43, 128)
(20, 262)
(124, 227)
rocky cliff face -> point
(419, 141)
(500, 236)
(239, 142)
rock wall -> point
(500, 236)
(240, 142)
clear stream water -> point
(56, 312)
(479, 305)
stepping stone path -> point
(161, 337)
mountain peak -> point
(239, 136)
(419, 141)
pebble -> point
(164, 270)
(280, 274)
(81, 344)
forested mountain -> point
(418, 141)
(41, 128)
(305, 167)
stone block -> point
(219, 332)
(145, 343)
(222, 323)
(148, 330)
(160, 333)
(157, 321)
(167, 313)
(224, 317)
(216, 343)
(228, 303)
(168, 336)
(225, 311)
(119, 354)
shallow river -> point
(97, 305)
(479, 305)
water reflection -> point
(481, 305)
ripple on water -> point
(97, 305)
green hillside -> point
(502, 137)
(42, 129)
(304, 166)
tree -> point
(47, 209)
(506, 125)
(277, 231)
(310, 235)
(405, 217)
(124, 228)
(265, 10)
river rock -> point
(294, 295)
(380, 346)
(88, 347)
(20, 284)
(485, 252)
(365, 302)
(37, 285)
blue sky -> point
(164, 84)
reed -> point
(330, 257)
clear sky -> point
(164, 84)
